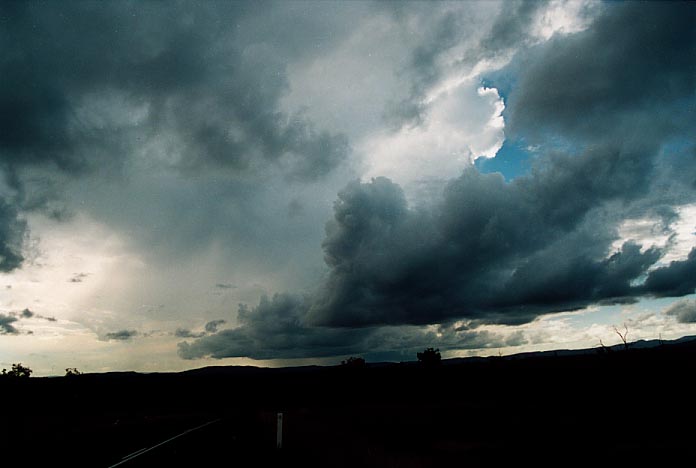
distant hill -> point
(597, 407)
(635, 345)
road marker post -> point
(279, 432)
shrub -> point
(429, 357)
(17, 371)
(353, 362)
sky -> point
(286, 183)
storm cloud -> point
(6, 327)
(489, 251)
(684, 311)
(92, 94)
(183, 159)
(68, 103)
(212, 326)
(609, 107)
(186, 333)
(632, 68)
(277, 329)
(12, 236)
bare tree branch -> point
(623, 336)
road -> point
(221, 442)
(214, 443)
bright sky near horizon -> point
(276, 183)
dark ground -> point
(625, 408)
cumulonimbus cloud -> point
(495, 252)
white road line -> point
(142, 451)
(134, 453)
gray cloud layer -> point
(196, 79)
(93, 93)
(488, 251)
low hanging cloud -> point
(27, 314)
(186, 333)
(276, 329)
(120, 335)
(8, 321)
(684, 311)
(677, 279)
(212, 326)
(209, 328)
(6, 325)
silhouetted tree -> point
(353, 362)
(17, 371)
(602, 350)
(429, 357)
(623, 336)
(72, 371)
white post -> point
(279, 434)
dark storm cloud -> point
(209, 328)
(276, 329)
(218, 92)
(120, 335)
(497, 252)
(6, 327)
(88, 88)
(212, 326)
(13, 230)
(677, 279)
(684, 311)
(80, 74)
(186, 333)
(273, 329)
(491, 251)
(511, 27)
(633, 68)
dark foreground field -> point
(625, 408)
